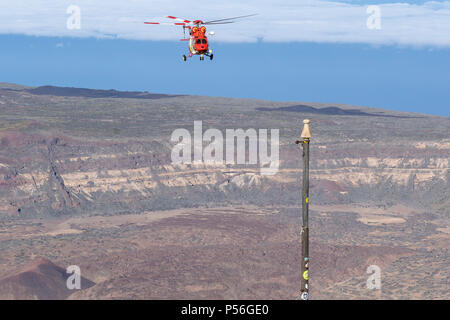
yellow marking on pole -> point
(307, 200)
(305, 275)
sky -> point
(363, 52)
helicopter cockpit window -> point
(199, 41)
(204, 41)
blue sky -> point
(390, 77)
(328, 57)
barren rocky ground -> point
(86, 179)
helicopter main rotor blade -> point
(225, 22)
(167, 23)
(240, 17)
(179, 19)
(214, 23)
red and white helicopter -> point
(198, 41)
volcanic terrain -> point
(86, 179)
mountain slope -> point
(39, 280)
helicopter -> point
(198, 39)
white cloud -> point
(278, 20)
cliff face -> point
(87, 155)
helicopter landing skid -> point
(210, 55)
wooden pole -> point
(306, 136)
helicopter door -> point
(192, 46)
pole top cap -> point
(306, 133)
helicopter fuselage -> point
(198, 42)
